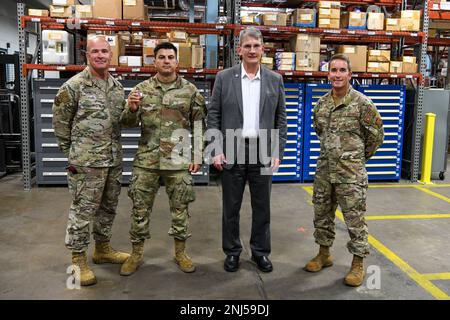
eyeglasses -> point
(249, 46)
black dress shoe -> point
(231, 263)
(263, 263)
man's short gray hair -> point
(250, 32)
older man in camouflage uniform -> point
(350, 130)
(167, 108)
(86, 119)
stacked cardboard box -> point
(267, 61)
(304, 18)
(357, 56)
(379, 61)
(396, 67)
(375, 21)
(38, 12)
(285, 60)
(111, 9)
(357, 20)
(410, 20)
(392, 24)
(134, 9)
(329, 14)
(307, 51)
(83, 11)
(409, 65)
(275, 19)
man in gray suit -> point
(248, 107)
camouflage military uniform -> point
(86, 119)
(163, 110)
(349, 132)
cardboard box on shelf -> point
(329, 13)
(375, 21)
(395, 67)
(251, 18)
(408, 67)
(357, 20)
(357, 56)
(329, 4)
(304, 18)
(83, 11)
(61, 12)
(134, 9)
(130, 61)
(307, 61)
(197, 57)
(392, 24)
(184, 54)
(378, 67)
(409, 59)
(410, 20)
(284, 55)
(111, 9)
(286, 67)
(138, 37)
(38, 12)
(329, 23)
(305, 42)
(275, 19)
(178, 36)
(63, 2)
(113, 41)
(379, 55)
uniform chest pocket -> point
(347, 122)
(322, 121)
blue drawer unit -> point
(290, 167)
(311, 144)
(390, 102)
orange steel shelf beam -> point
(360, 2)
(27, 67)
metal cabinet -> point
(290, 167)
(390, 102)
(51, 162)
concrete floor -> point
(411, 254)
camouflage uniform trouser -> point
(352, 200)
(144, 186)
(95, 193)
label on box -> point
(391, 22)
(324, 21)
(151, 43)
(270, 17)
(129, 2)
(58, 9)
(409, 59)
(349, 49)
(84, 8)
(325, 4)
(303, 62)
(61, 3)
(407, 14)
(302, 37)
(123, 60)
(375, 52)
(324, 12)
(306, 17)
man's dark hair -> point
(165, 45)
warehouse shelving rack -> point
(398, 39)
(71, 25)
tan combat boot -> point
(87, 277)
(356, 275)
(322, 260)
(181, 258)
(134, 261)
(103, 253)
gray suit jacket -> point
(225, 109)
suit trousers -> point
(233, 185)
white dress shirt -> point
(251, 89)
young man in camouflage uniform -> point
(350, 130)
(168, 108)
(86, 119)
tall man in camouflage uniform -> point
(86, 119)
(350, 130)
(168, 108)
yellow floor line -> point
(435, 194)
(437, 276)
(410, 271)
(408, 185)
(409, 216)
